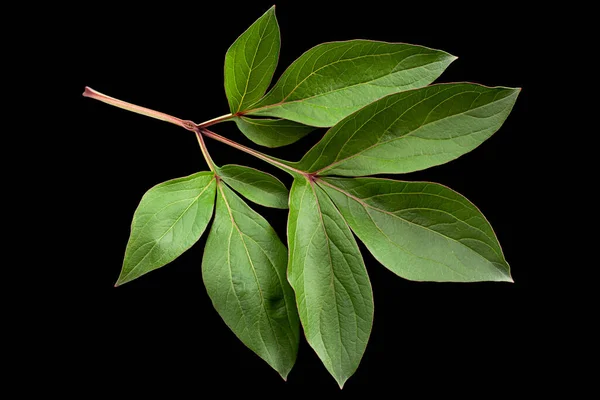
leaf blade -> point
(257, 186)
(419, 230)
(272, 132)
(170, 218)
(332, 80)
(251, 271)
(250, 62)
(326, 270)
(411, 131)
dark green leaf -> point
(332, 80)
(244, 271)
(169, 220)
(251, 61)
(327, 273)
(411, 131)
(421, 231)
(272, 132)
(255, 185)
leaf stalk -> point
(198, 129)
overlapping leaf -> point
(411, 131)
(255, 185)
(272, 132)
(332, 80)
(421, 231)
(326, 270)
(169, 220)
(244, 271)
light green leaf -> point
(411, 131)
(244, 271)
(272, 132)
(421, 231)
(326, 270)
(251, 61)
(332, 80)
(255, 185)
(169, 220)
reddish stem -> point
(255, 153)
(91, 93)
(198, 129)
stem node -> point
(189, 125)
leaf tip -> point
(506, 277)
(283, 372)
(122, 279)
(341, 380)
(449, 58)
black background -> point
(161, 331)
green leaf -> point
(169, 220)
(272, 132)
(411, 131)
(251, 61)
(421, 231)
(332, 80)
(326, 270)
(244, 271)
(255, 185)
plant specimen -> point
(384, 117)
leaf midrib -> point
(333, 290)
(253, 59)
(262, 297)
